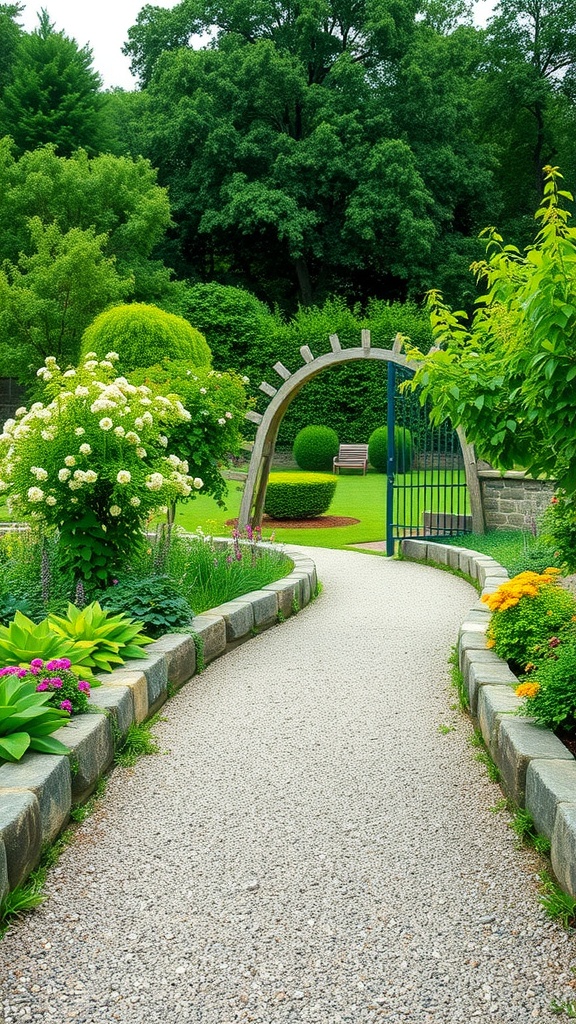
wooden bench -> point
(351, 456)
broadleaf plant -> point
(114, 637)
(27, 719)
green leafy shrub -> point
(299, 495)
(23, 640)
(155, 601)
(9, 605)
(559, 528)
(115, 637)
(536, 557)
(315, 447)
(143, 335)
(26, 718)
(550, 694)
(378, 449)
(527, 611)
(94, 462)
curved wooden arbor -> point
(252, 507)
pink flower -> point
(57, 663)
(65, 705)
(22, 673)
(42, 686)
(11, 670)
(36, 663)
(55, 683)
(83, 686)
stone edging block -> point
(538, 771)
(36, 793)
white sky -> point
(104, 24)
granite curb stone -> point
(37, 792)
(538, 771)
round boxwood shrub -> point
(299, 495)
(143, 335)
(378, 449)
(315, 447)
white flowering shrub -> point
(94, 463)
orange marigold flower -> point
(529, 667)
(527, 689)
(490, 642)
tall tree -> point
(53, 93)
(10, 34)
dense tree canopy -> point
(51, 92)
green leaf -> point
(13, 747)
(48, 745)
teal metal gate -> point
(427, 495)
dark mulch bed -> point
(320, 522)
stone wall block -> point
(179, 650)
(480, 674)
(238, 617)
(286, 591)
(155, 669)
(519, 742)
(48, 777)
(548, 784)
(20, 834)
(90, 739)
(493, 703)
(212, 632)
(563, 853)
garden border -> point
(37, 793)
(537, 771)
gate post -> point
(390, 420)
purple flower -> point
(83, 686)
(57, 663)
(42, 686)
(22, 673)
(36, 663)
(11, 670)
(65, 705)
(55, 683)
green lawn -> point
(357, 497)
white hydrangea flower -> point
(145, 401)
(185, 490)
(79, 431)
(21, 431)
(143, 390)
(107, 364)
(43, 414)
(148, 419)
(3, 485)
(132, 437)
(173, 460)
(80, 475)
(47, 435)
(228, 415)
(135, 501)
(184, 466)
(9, 425)
(203, 391)
(39, 473)
(69, 373)
(155, 481)
(221, 422)
(85, 449)
(90, 476)
(141, 453)
(51, 361)
(73, 501)
(106, 423)
(112, 356)
(123, 477)
(64, 475)
(20, 412)
(91, 364)
(35, 494)
(163, 440)
(50, 500)
(139, 423)
(75, 485)
(246, 380)
(90, 355)
(81, 391)
(119, 431)
(115, 510)
(197, 483)
(70, 460)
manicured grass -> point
(357, 497)
(506, 546)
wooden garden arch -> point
(252, 506)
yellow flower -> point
(490, 643)
(527, 689)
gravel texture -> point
(311, 845)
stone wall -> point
(513, 501)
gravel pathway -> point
(310, 846)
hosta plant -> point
(115, 637)
(27, 718)
(23, 640)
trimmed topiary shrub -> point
(378, 449)
(315, 447)
(299, 495)
(143, 335)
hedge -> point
(299, 495)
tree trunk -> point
(304, 282)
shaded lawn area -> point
(506, 546)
